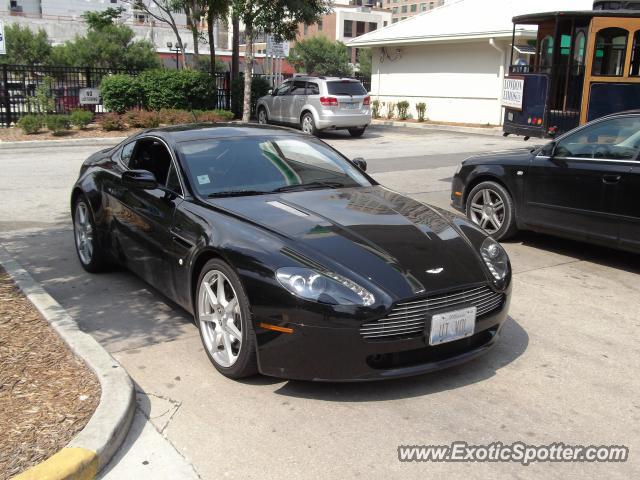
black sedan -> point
(293, 261)
(585, 185)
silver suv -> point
(318, 103)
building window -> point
(114, 1)
(395, 10)
(360, 26)
(373, 26)
(611, 48)
(404, 8)
(423, 7)
(384, 24)
(320, 25)
(414, 7)
(348, 28)
(394, 20)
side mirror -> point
(142, 179)
(360, 163)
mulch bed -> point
(47, 395)
(14, 134)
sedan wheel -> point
(491, 208)
(224, 320)
(91, 257)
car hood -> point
(403, 246)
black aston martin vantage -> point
(293, 261)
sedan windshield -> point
(255, 165)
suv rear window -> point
(345, 87)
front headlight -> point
(495, 258)
(323, 287)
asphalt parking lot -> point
(564, 371)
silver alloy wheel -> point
(487, 210)
(83, 233)
(307, 124)
(262, 117)
(220, 318)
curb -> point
(70, 142)
(91, 449)
(491, 131)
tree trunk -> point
(196, 47)
(212, 45)
(235, 47)
(248, 71)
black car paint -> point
(585, 200)
(376, 237)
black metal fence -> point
(26, 89)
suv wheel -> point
(308, 125)
(357, 132)
(262, 116)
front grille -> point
(408, 319)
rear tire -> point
(223, 316)
(490, 206)
(357, 132)
(308, 125)
(92, 257)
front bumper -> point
(341, 354)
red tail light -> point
(367, 100)
(329, 101)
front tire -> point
(263, 119)
(357, 132)
(223, 316)
(490, 206)
(308, 125)
(91, 256)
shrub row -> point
(57, 124)
(158, 89)
(402, 109)
(166, 116)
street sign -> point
(277, 49)
(89, 96)
(3, 48)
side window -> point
(283, 89)
(610, 51)
(173, 182)
(313, 89)
(126, 152)
(635, 56)
(298, 87)
(615, 139)
(153, 156)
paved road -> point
(565, 370)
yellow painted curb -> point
(68, 464)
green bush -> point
(142, 119)
(375, 109)
(111, 121)
(213, 115)
(57, 124)
(81, 118)
(259, 88)
(177, 89)
(391, 107)
(403, 108)
(421, 108)
(120, 92)
(30, 124)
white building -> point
(453, 58)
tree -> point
(216, 10)
(25, 46)
(162, 11)
(194, 11)
(279, 18)
(106, 45)
(320, 56)
(364, 60)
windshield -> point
(257, 165)
(345, 87)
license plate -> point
(450, 326)
(350, 106)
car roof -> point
(311, 77)
(202, 131)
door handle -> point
(611, 179)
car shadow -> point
(600, 255)
(345, 135)
(511, 345)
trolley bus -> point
(582, 65)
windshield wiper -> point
(236, 193)
(309, 186)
